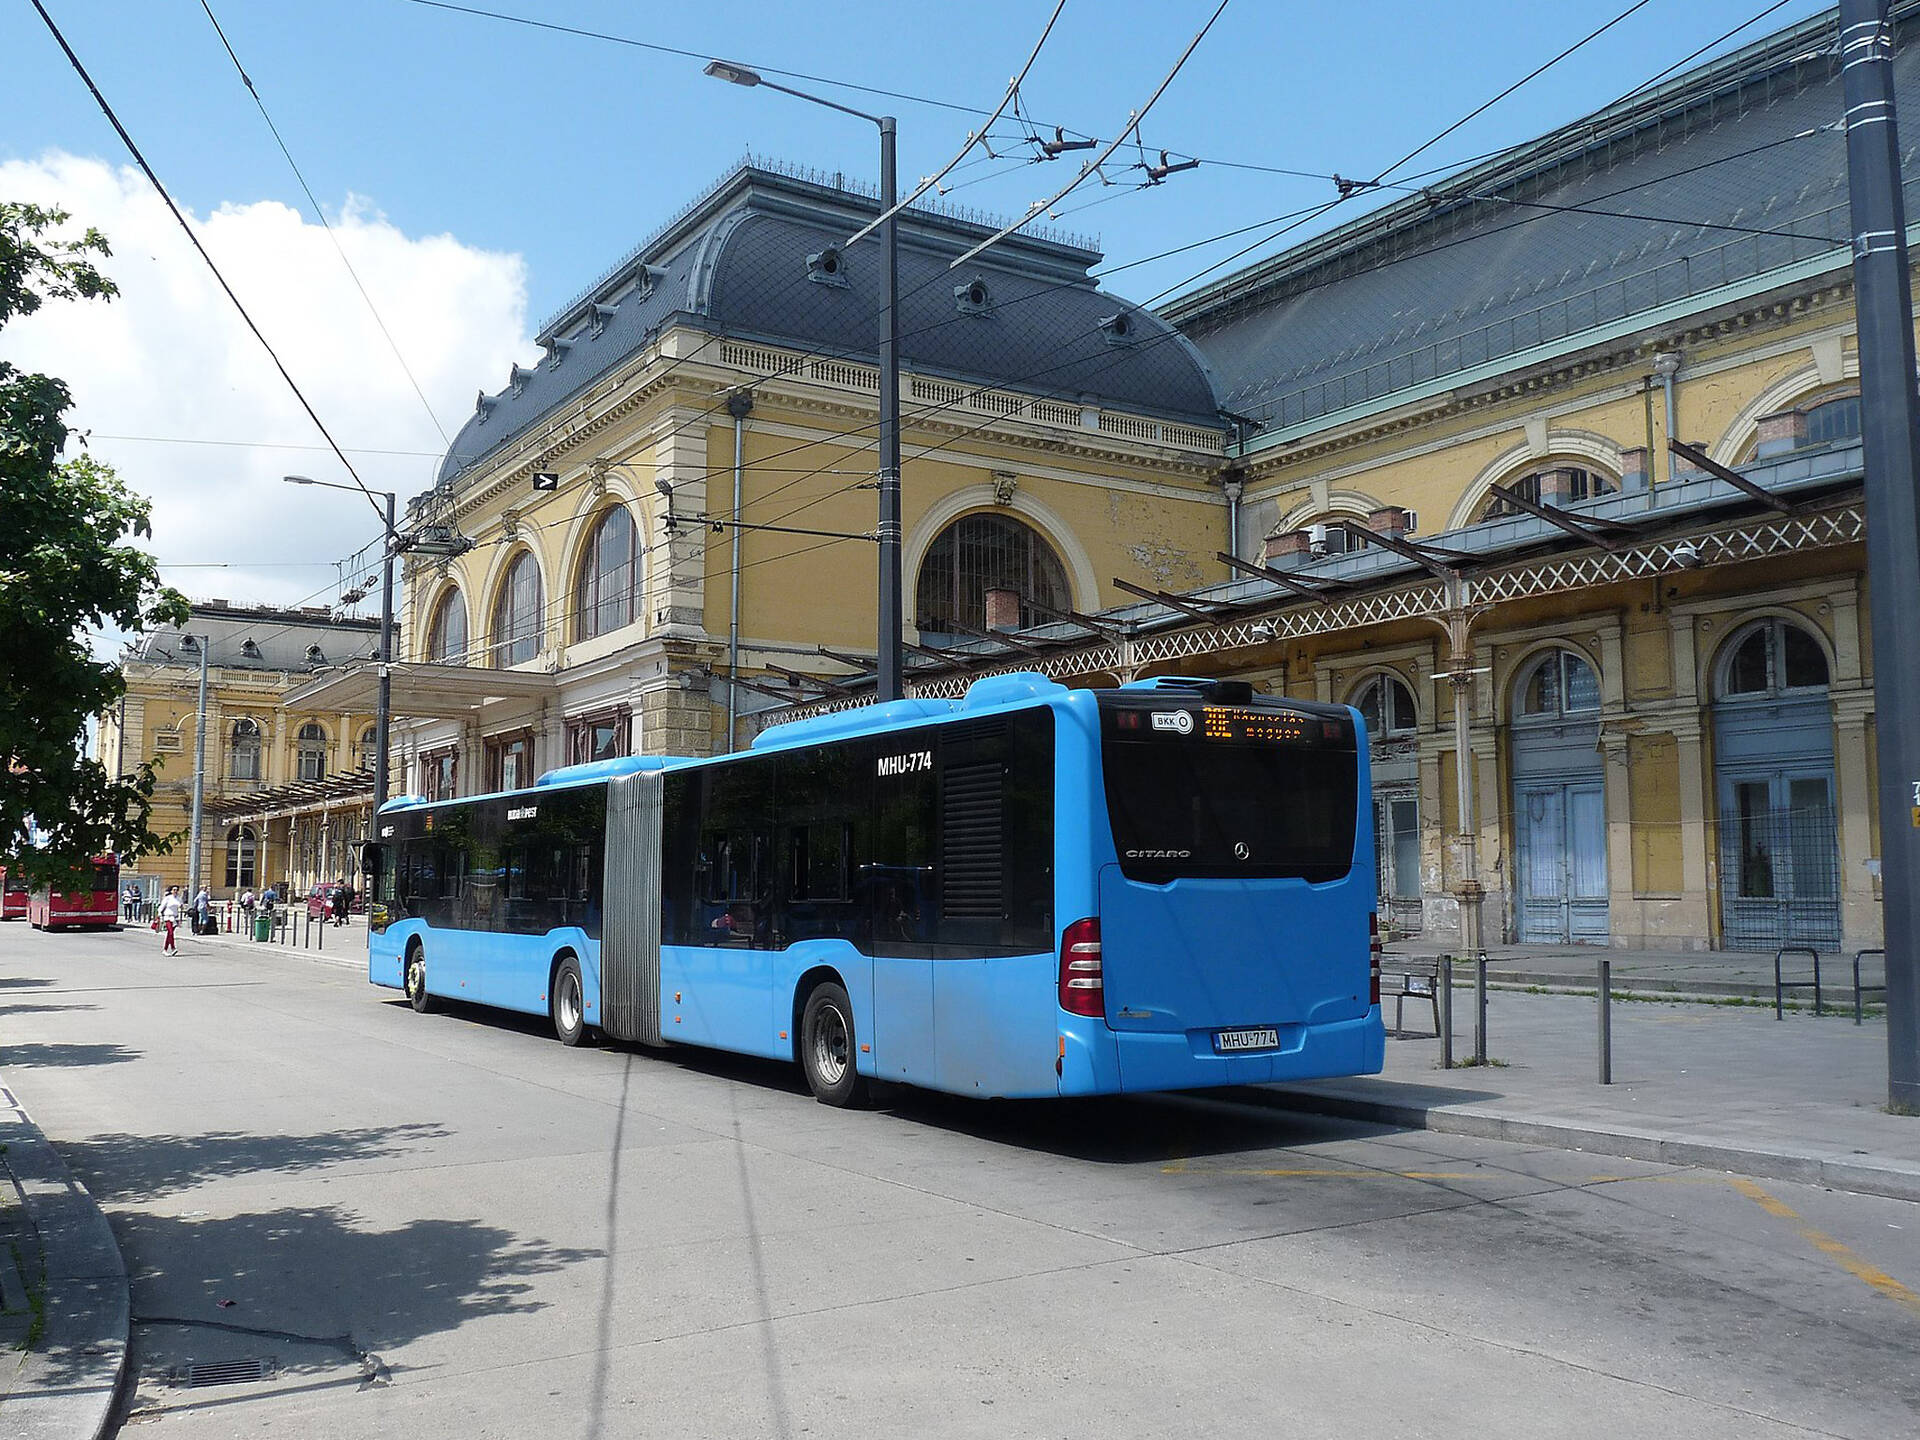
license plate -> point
(1259, 1038)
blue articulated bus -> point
(1030, 891)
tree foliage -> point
(65, 571)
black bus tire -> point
(568, 1004)
(414, 974)
(827, 1048)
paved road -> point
(449, 1225)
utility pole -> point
(1883, 313)
(891, 617)
(199, 771)
(383, 719)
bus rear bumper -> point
(1187, 1061)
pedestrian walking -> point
(202, 912)
(130, 903)
(169, 917)
(342, 902)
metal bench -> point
(1410, 977)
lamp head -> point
(299, 479)
(731, 73)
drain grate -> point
(222, 1372)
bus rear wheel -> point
(416, 980)
(569, 1003)
(827, 1048)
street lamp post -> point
(889, 676)
(383, 717)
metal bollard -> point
(1446, 1012)
(1605, 978)
(1480, 1008)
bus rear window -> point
(1250, 801)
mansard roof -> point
(739, 263)
(1726, 176)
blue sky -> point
(497, 168)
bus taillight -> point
(1083, 989)
(1373, 958)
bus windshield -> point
(1245, 794)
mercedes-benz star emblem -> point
(1240, 850)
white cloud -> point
(170, 358)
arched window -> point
(1555, 485)
(447, 634)
(1387, 707)
(310, 753)
(609, 576)
(240, 853)
(983, 552)
(1834, 422)
(519, 627)
(369, 747)
(243, 748)
(1559, 684)
(1772, 657)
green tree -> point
(64, 573)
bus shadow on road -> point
(1107, 1129)
(1125, 1129)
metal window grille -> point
(983, 552)
(1779, 873)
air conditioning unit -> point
(1317, 540)
(1413, 521)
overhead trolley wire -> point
(339, 249)
(161, 190)
(846, 439)
(632, 43)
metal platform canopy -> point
(438, 692)
(341, 791)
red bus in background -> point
(13, 894)
(90, 897)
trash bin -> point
(263, 926)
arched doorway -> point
(1559, 804)
(1393, 740)
(1773, 775)
(240, 857)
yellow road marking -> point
(1860, 1270)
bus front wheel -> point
(569, 1004)
(416, 976)
(827, 1048)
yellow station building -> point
(1422, 464)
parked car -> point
(320, 900)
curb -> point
(68, 1383)
(1860, 1174)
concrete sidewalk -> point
(1723, 1087)
(344, 945)
(63, 1268)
